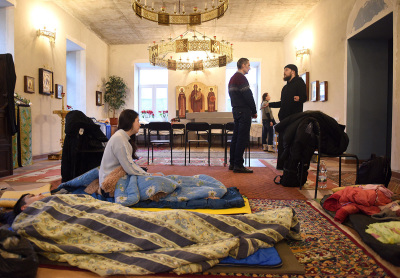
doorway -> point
(76, 76)
(370, 89)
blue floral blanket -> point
(131, 190)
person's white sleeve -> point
(126, 161)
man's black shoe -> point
(230, 167)
(242, 170)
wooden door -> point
(6, 165)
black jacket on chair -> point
(83, 145)
(300, 139)
(334, 140)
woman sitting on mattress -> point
(125, 181)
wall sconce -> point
(50, 34)
(302, 51)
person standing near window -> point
(268, 122)
(243, 109)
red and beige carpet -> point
(325, 250)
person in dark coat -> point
(83, 148)
(293, 96)
(7, 81)
(243, 109)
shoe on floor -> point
(242, 170)
(265, 147)
(230, 167)
(271, 148)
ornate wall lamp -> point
(47, 33)
(300, 52)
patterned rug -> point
(48, 174)
(349, 178)
(326, 250)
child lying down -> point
(110, 239)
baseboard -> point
(40, 156)
(396, 174)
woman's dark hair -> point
(126, 119)
(264, 96)
(19, 204)
(125, 122)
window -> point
(153, 91)
(252, 77)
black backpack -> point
(375, 170)
(17, 257)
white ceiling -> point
(245, 20)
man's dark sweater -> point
(295, 87)
(240, 93)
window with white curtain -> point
(153, 91)
(252, 77)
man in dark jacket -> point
(243, 109)
(293, 96)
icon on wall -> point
(314, 90)
(29, 84)
(323, 91)
(59, 90)
(45, 82)
(99, 98)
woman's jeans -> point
(267, 131)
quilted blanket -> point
(109, 239)
(131, 189)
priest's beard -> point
(287, 78)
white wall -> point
(324, 31)
(32, 53)
(328, 26)
(124, 57)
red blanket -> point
(353, 200)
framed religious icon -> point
(58, 90)
(314, 90)
(99, 96)
(306, 77)
(29, 84)
(45, 82)
(323, 91)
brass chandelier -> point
(192, 51)
(177, 15)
